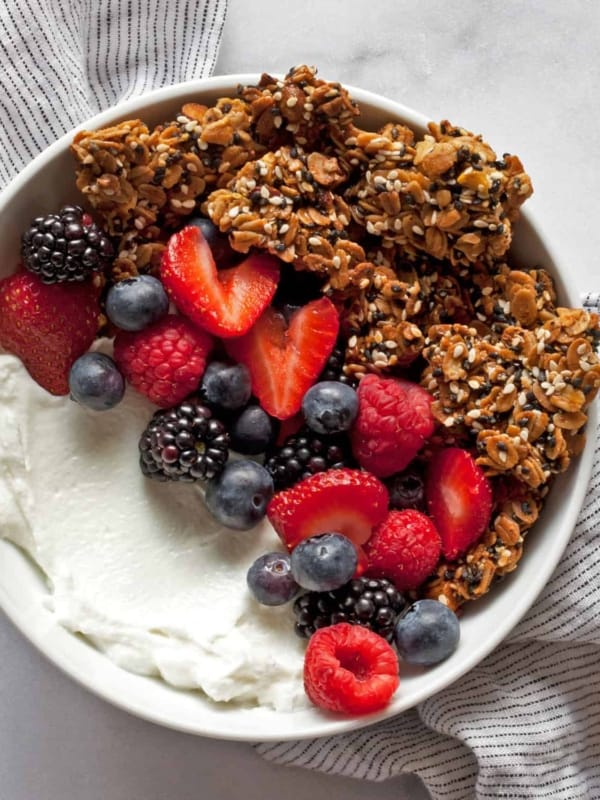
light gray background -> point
(524, 74)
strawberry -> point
(347, 501)
(284, 362)
(165, 360)
(394, 421)
(226, 302)
(47, 326)
(404, 548)
(459, 499)
(350, 669)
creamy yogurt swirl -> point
(138, 566)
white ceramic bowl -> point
(42, 186)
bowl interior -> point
(49, 181)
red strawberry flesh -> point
(226, 302)
(285, 360)
(346, 501)
(48, 326)
(459, 499)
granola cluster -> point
(143, 182)
(410, 236)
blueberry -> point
(134, 303)
(330, 407)
(226, 385)
(239, 496)
(271, 581)
(407, 489)
(427, 633)
(95, 382)
(223, 254)
(324, 562)
(252, 431)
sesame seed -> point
(190, 203)
(417, 230)
(449, 422)
(233, 212)
(458, 351)
(314, 241)
(291, 101)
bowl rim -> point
(326, 725)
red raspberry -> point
(350, 669)
(165, 361)
(394, 420)
(405, 548)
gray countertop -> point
(524, 74)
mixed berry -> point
(338, 467)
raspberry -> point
(350, 669)
(165, 361)
(394, 420)
(405, 548)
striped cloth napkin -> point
(525, 722)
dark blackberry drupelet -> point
(334, 368)
(306, 453)
(185, 443)
(67, 246)
(372, 603)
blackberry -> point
(334, 368)
(372, 603)
(67, 246)
(185, 443)
(306, 453)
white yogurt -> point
(135, 565)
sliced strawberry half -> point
(459, 499)
(286, 359)
(224, 302)
(347, 501)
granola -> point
(410, 237)
(142, 183)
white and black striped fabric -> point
(64, 60)
(525, 722)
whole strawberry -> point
(164, 361)
(394, 421)
(47, 326)
(404, 548)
